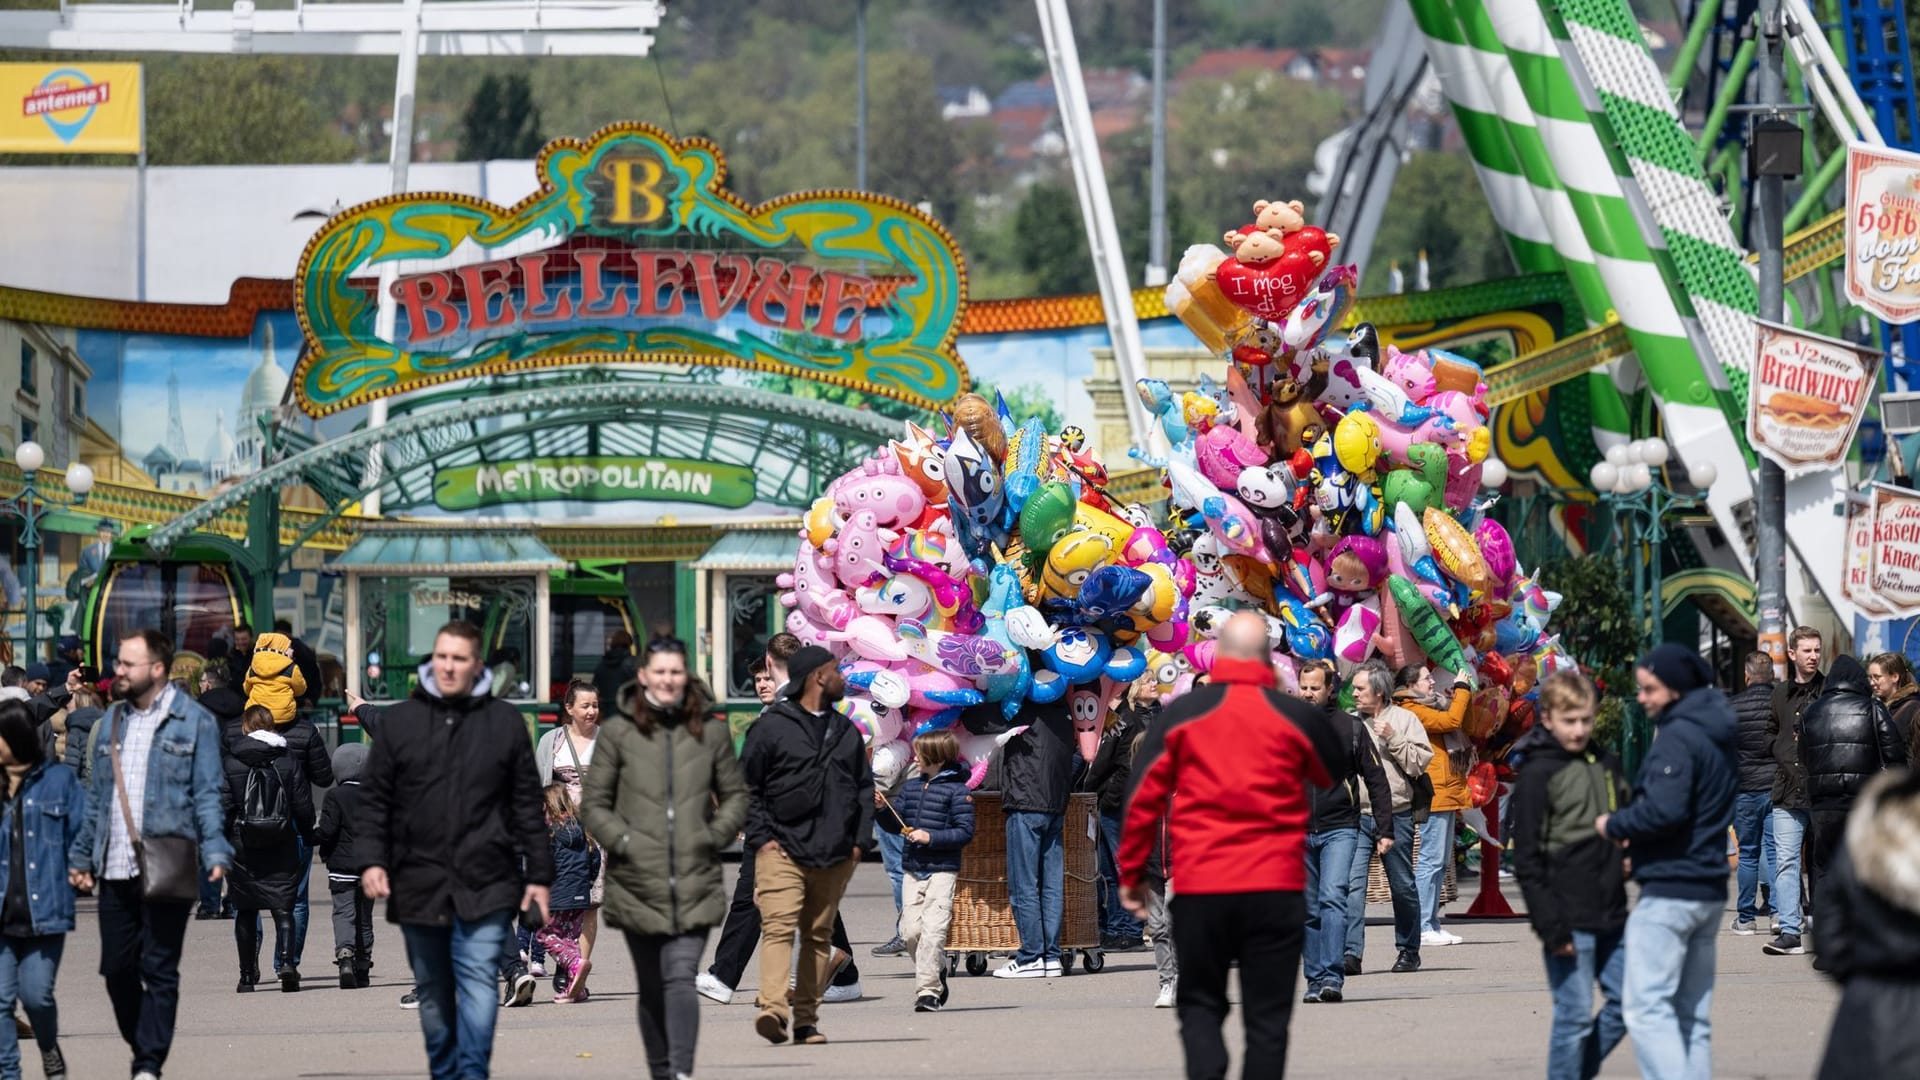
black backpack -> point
(264, 819)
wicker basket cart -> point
(982, 914)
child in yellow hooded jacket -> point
(272, 679)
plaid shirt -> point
(135, 731)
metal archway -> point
(334, 468)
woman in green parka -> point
(663, 797)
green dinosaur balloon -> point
(1046, 518)
(1423, 486)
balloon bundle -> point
(1331, 482)
(959, 578)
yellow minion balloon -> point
(1071, 561)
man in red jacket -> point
(1232, 761)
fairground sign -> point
(1894, 557)
(632, 250)
(593, 479)
(1806, 396)
(1883, 231)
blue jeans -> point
(1669, 986)
(27, 969)
(1753, 830)
(454, 969)
(1036, 882)
(1397, 863)
(1329, 865)
(1114, 919)
(1789, 836)
(299, 915)
(1581, 1040)
(893, 849)
(1430, 871)
(210, 899)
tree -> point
(218, 110)
(1437, 207)
(501, 123)
(1052, 245)
(1026, 401)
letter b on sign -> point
(637, 199)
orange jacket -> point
(1449, 783)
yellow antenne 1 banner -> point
(70, 108)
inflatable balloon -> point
(1496, 547)
(1425, 626)
(1458, 554)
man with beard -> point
(810, 806)
(156, 772)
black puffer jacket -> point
(1846, 737)
(1753, 708)
(942, 806)
(450, 807)
(264, 875)
(1870, 935)
(576, 862)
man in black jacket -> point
(1333, 832)
(617, 668)
(1753, 708)
(1847, 737)
(809, 808)
(1036, 779)
(1789, 816)
(451, 813)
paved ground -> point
(1478, 1011)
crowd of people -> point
(1237, 826)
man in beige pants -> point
(810, 806)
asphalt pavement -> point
(1477, 1011)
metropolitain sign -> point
(631, 251)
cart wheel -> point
(1066, 962)
(976, 963)
(1094, 960)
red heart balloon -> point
(1308, 242)
(1268, 289)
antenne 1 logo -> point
(64, 92)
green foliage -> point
(839, 395)
(219, 110)
(1052, 243)
(501, 122)
(1595, 620)
(1438, 207)
(1026, 401)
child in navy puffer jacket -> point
(576, 862)
(935, 814)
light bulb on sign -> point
(1655, 452)
(1618, 455)
(1703, 475)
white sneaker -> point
(836, 995)
(1165, 998)
(1055, 969)
(538, 971)
(1434, 939)
(1453, 938)
(1014, 969)
(710, 987)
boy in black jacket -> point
(1573, 878)
(352, 911)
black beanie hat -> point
(1679, 667)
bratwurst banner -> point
(1805, 396)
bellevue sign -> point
(632, 251)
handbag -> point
(169, 865)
